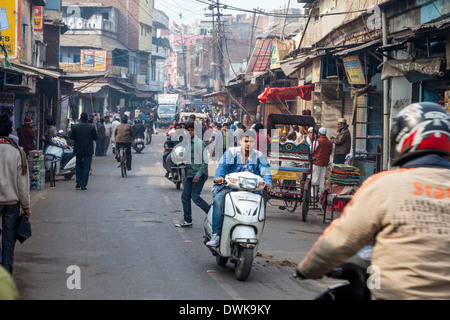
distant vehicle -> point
(168, 108)
(184, 116)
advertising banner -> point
(93, 60)
(38, 19)
(9, 11)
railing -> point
(76, 67)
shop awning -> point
(360, 47)
(289, 66)
(404, 68)
(42, 73)
(284, 93)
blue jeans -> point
(82, 168)
(10, 216)
(193, 191)
(218, 207)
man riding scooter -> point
(172, 140)
(236, 159)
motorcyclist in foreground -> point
(236, 159)
(406, 212)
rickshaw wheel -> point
(305, 204)
(290, 205)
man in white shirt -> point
(114, 125)
(108, 128)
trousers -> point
(10, 217)
(192, 191)
(82, 168)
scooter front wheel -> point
(243, 264)
(221, 261)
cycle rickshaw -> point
(291, 165)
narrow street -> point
(120, 233)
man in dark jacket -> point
(26, 135)
(99, 148)
(84, 135)
(124, 136)
(343, 142)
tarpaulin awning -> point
(284, 93)
(403, 68)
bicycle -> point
(123, 160)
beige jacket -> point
(407, 211)
(14, 187)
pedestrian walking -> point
(14, 191)
(196, 176)
(101, 133)
(108, 127)
(343, 141)
(27, 136)
(322, 158)
(83, 134)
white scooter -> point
(242, 224)
(59, 158)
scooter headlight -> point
(249, 184)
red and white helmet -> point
(420, 128)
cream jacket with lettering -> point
(407, 211)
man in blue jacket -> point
(236, 159)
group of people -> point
(237, 158)
(402, 211)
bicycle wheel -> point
(123, 163)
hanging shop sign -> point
(354, 70)
(316, 69)
(93, 60)
(38, 19)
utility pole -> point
(218, 63)
(251, 37)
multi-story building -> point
(115, 37)
(33, 84)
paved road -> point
(120, 236)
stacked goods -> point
(343, 174)
(36, 169)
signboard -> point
(316, 69)
(38, 19)
(168, 99)
(9, 11)
(93, 60)
(354, 70)
(279, 52)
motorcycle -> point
(355, 271)
(243, 222)
(178, 165)
(59, 159)
(138, 144)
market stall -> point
(342, 182)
